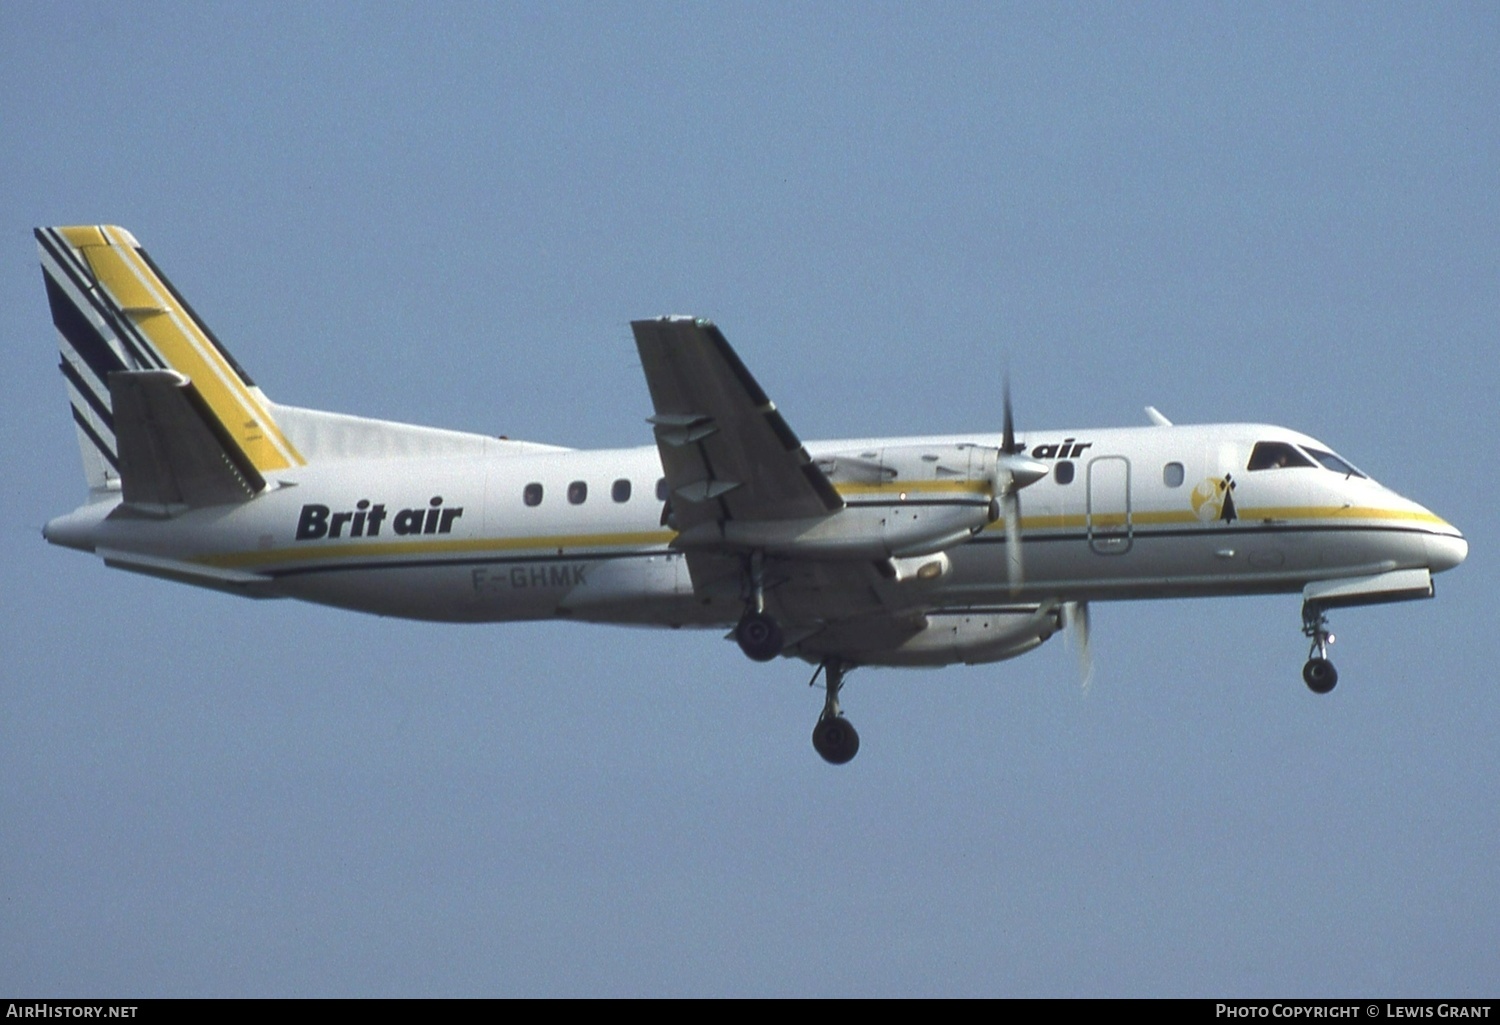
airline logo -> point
(1213, 499)
(319, 522)
(1067, 450)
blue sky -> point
(1280, 213)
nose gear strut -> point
(834, 737)
(1318, 673)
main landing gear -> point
(761, 638)
(758, 635)
(1318, 673)
(834, 737)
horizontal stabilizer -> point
(233, 581)
(174, 452)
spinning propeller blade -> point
(1013, 471)
(1014, 570)
(1008, 447)
(1076, 619)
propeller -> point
(1075, 616)
(1008, 447)
(1015, 572)
(1014, 470)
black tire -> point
(1319, 675)
(836, 740)
(759, 636)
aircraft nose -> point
(1444, 551)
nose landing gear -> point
(834, 737)
(1318, 673)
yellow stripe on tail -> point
(149, 304)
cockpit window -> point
(1273, 455)
(1333, 462)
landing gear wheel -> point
(1319, 675)
(759, 636)
(835, 739)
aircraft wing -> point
(728, 455)
(726, 451)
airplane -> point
(904, 552)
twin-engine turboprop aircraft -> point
(868, 552)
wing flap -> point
(803, 594)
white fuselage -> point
(471, 538)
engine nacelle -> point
(902, 502)
(940, 638)
(864, 533)
(914, 469)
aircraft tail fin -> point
(201, 428)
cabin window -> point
(532, 495)
(620, 492)
(1273, 455)
(661, 490)
(1172, 474)
(578, 492)
(1063, 472)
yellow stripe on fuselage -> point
(584, 545)
(1339, 512)
(923, 487)
(174, 334)
(1269, 515)
(546, 544)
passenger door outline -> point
(1110, 527)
